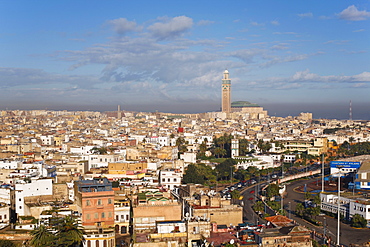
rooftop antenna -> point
(350, 110)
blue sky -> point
(170, 55)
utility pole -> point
(338, 223)
(324, 238)
(322, 174)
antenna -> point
(350, 110)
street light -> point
(338, 223)
(322, 174)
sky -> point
(169, 56)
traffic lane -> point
(348, 236)
(248, 213)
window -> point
(163, 180)
(169, 180)
(96, 215)
(88, 203)
(109, 201)
(117, 218)
(109, 214)
(175, 179)
(99, 202)
(87, 216)
(103, 215)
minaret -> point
(226, 93)
(119, 115)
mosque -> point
(238, 108)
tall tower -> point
(119, 114)
(226, 93)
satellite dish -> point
(187, 214)
(232, 241)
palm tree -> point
(41, 237)
(70, 232)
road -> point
(248, 213)
(348, 235)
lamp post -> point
(322, 174)
(338, 223)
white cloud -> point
(122, 25)
(254, 23)
(353, 14)
(171, 28)
(205, 22)
(306, 15)
(275, 23)
(359, 30)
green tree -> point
(358, 221)
(198, 174)
(101, 150)
(41, 236)
(7, 243)
(243, 147)
(235, 194)
(272, 190)
(70, 232)
(259, 206)
(62, 232)
(299, 209)
(225, 169)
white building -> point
(100, 160)
(348, 207)
(169, 179)
(47, 140)
(84, 150)
(188, 157)
(38, 187)
(261, 162)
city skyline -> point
(170, 56)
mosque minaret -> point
(226, 93)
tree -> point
(61, 232)
(272, 190)
(96, 150)
(259, 206)
(299, 209)
(358, 221)
(198, 174)
(6, 243)
(41, 236)
(225, 168)
(243, 147)
(69, 232)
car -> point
(252, 191)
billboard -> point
(345, 164)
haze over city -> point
(288, 57)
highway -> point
(349, 236)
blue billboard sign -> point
(345, 164)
